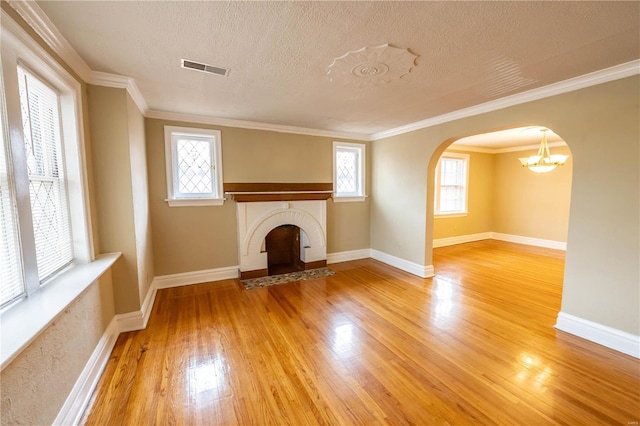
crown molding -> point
(98, 78)
(471, 148)
(616, 72)
(42, 25)
(253, 125)
(35, 17)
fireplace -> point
(281, 227)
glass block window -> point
(348, 171)
(451, 184)
(194, 166)
(45, 165)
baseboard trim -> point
(612, 338)
(196, 277)
(77, 400)
(423, 271)
(538, 242)
(346, 256)
(460, 239)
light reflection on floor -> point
(533, 373)
(444, 300)
(209, 376)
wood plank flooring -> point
(371, 345)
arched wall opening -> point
(504, 200)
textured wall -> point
(35, 385)
(197, 238)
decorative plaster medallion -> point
(371, 65)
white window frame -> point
(27, 316)
(174, 197)
(436, 199)
(359, 194)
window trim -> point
(437, 186)
(361, 150)
(26, 317)
(170, 156)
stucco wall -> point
(35, 385)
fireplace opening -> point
(283, 250)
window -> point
(348, 171)
(44, 226)
(194, 166)
(452, 174)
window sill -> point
(339, 199)
(23, 321)
(447, 215)
(193, 202)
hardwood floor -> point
(372, 345)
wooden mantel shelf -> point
(276, 191)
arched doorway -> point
(482, 191)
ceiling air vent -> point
(211, 69)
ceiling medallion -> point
(371, 65)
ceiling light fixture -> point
(543, 162)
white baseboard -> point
(196, 277)
(461, 239)
(612, 338)
(77, 400)
(538, 242)
(423, 271)
(345, 256)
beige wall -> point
(600, 124)
(529, 204)
(35, 385)
(108, 118)
(506, 198)
(189, 239)
(140, 194)
(480, 204)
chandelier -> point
(543, 162)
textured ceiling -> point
(468, 53)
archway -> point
(503, 200)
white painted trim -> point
(98, 78)
(35, 17)
(538, 242)
(242, 124)
(485, 150)
(131, 321)
(42, 25)
(345, 256)
(196, 277)
(77, 400)
(423, 271)
(528, 147)
(616, 72)
(612, 338)
(23, 322)
(460, 239)
(147, 305)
